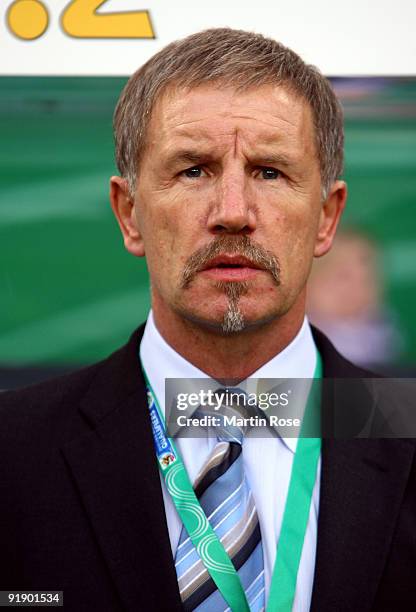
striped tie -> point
(225, 497)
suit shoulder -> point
(335, 364)
(54, 400)
(46, 393)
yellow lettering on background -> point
(27, 19)
(81, 20)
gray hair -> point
(234, 58)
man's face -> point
(228, 204)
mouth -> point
(231, 268)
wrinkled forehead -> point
(266, 115)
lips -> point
(231, 268)
(231, 262)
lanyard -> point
(203, 537)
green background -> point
(70, 293)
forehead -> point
(268, 115)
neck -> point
(228, 356)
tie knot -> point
(229, 414)
(232, 415)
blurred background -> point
(69, 292)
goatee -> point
(233, 321)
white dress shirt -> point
(267, 461)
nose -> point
(232, 211)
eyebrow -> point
(193, 157)
(187, 156)
(274, 159)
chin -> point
(230, 321)
(235, 308)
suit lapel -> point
(362, 485)
(115, 470)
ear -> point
(124, 211)
(329, 218)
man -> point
(229, 149)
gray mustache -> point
(232, 245)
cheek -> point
(294, 234)
(171, 239)
(171, 219)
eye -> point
(269, 173)
(194, 172)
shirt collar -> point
(160, 360)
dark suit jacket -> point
(81, 508)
